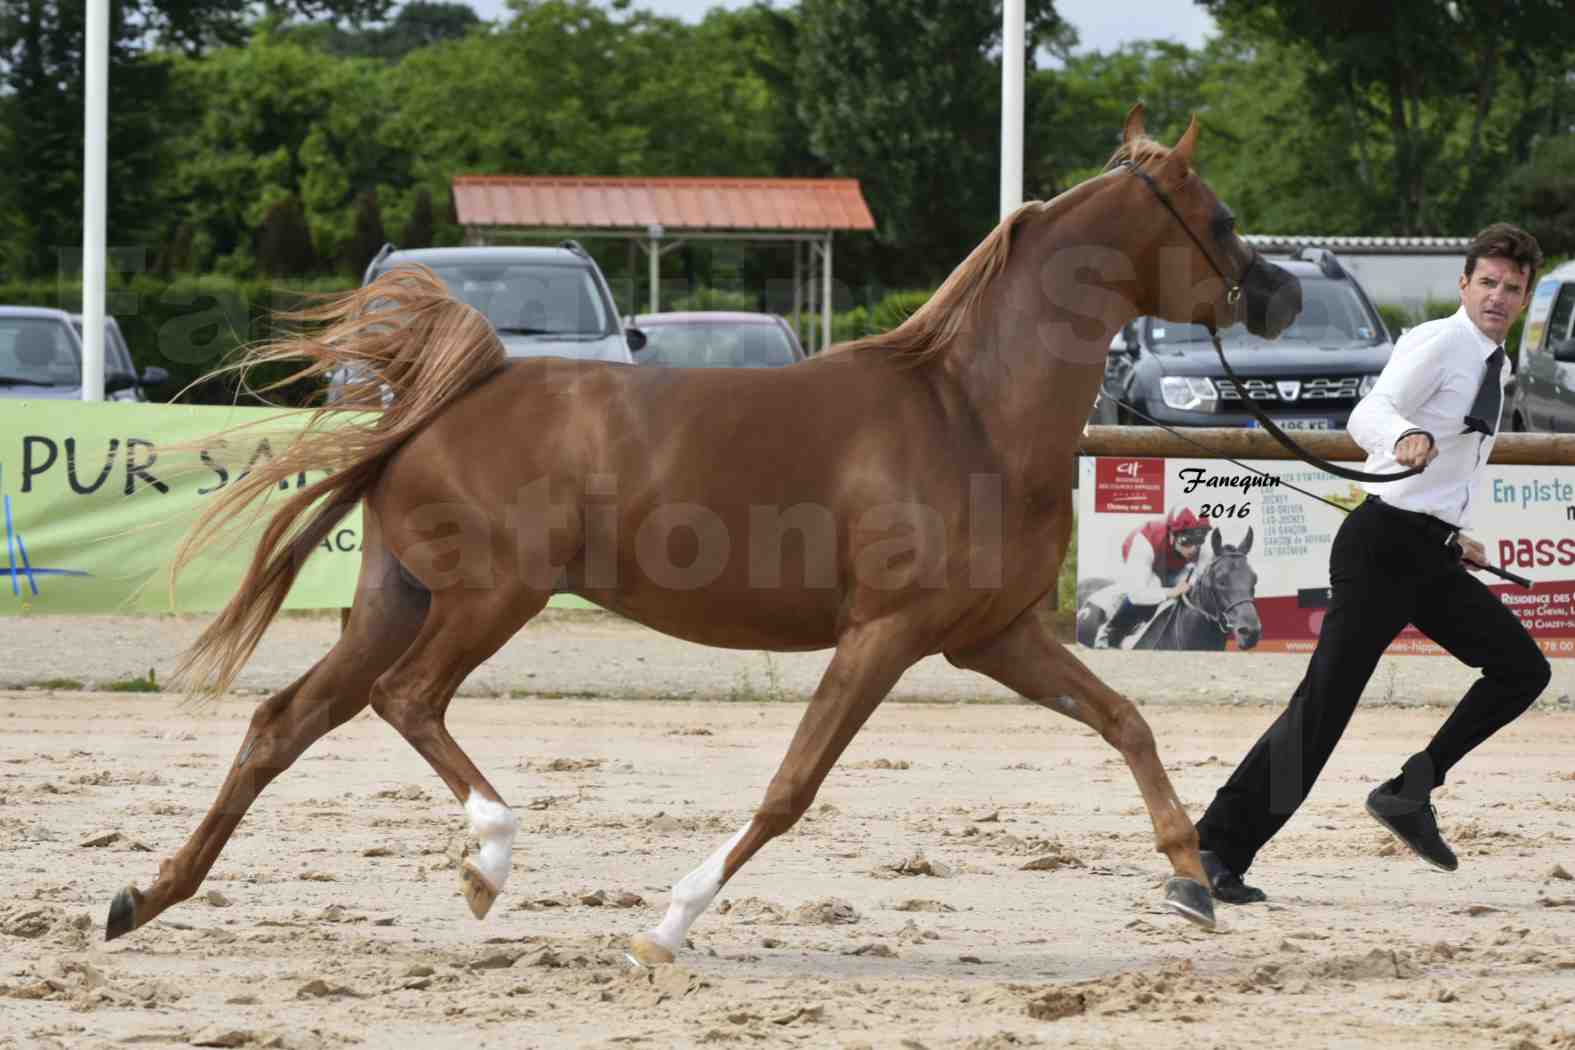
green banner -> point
(93, 513)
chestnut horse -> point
(905, 495)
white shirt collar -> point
(1485, 345)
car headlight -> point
(1188, 392)
(1368, 382)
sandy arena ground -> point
(977, 873)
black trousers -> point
(1387, 568)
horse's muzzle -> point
(1271, 296)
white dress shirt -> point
(1429, 384)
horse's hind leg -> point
(388, 613)
(463, 628)
(1027, 659)
(867, 664)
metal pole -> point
(94, 150)
(655, 267)
(825, 305)
(633, 297)
(798, 289)
(810, 291)
(1012, 51)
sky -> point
(1102, 25)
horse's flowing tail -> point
(408, 347)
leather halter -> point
(1220, 619)
(1233, 292)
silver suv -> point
(1545, 373)
(41, 358)
(544, 302)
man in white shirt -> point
(1399, 558)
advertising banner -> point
(1523, 515)
(93, 513)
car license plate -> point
(1299, 424)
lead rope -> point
(1216, 455)
(1503, 574)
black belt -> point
(1444, 530)
(1444, 533)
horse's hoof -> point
(645, 952)
(122, 913)
(1191, 899)
(478, 894)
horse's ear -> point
(1215, 537)
(1181, 152)
(1246, 544)
(1132, 127)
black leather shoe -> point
(1226, 885)
(1414, 823)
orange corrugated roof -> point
(564, 202)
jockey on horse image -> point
(1157, 560)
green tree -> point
(1283, 161)
(276, 120)
(708, 99)
(422, 225)
(416, 25)
(42, 76)
(905, 96)
(542, 96)
(1073, 114)
(368, 236)
(284, 242)
(1425, 83)
(196, 26)
(1541, 196)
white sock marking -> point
(691, 896)
(495, 824)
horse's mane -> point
(932, 329)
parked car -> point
(1308, 379)
(1544, 395)
(717, 339)
(41, 358)
(544, 301)
(118, 363)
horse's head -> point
(1226, 589)
(1198, 269)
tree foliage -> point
(417, 24)
(282, 136)
(1443, 94)
(1541, 195)
(42, 79)
(905, 96)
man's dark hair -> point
(1501, 240)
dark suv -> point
(1308, 379)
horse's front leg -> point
(1027, 659)
(867, 663)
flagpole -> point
(1012, 50)
(94, 176)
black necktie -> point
(1489, 402)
